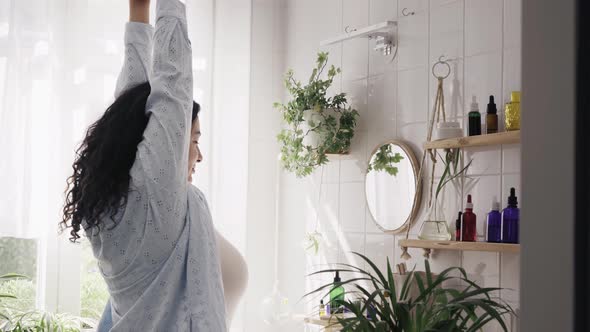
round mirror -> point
(390, 186)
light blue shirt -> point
(159, 255)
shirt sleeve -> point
(163, 152)
(138, 56)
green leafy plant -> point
(423, 304)
(385, 160)
(451, 161)
(311, 112)
(18, 314)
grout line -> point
(464, 109)
(396, 70)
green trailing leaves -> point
(385, 160)
(329, 119)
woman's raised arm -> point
(138, 47)
(163, 152)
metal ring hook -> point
(441, 62)
(347, 29)
(405, 13)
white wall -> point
(394, 99)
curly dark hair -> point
(100, 182)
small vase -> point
(435, 227)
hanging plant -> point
(385, 160)
(315, 125)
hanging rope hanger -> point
(437, 112)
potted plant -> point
(432, 307)
(315, 124)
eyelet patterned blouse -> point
(160, 262)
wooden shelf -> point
(463, 246)
(329, 323)
(508, 137)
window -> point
(18, 256)
(93, 290)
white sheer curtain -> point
(58, 64)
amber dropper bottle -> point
(492, 117)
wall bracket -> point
(383, 33)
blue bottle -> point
(510, 219)
(494, 227)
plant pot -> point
(313, 119)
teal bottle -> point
(336, 295)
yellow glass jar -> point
(512, 113)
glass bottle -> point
(474, 119)
(336, 295)
(469, 222)
(435, 227)
(494, 224)
(510, 219)
(512, 114)
(458, 227)
(492, 117)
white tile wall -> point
(395, 97)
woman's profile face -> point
(194, 153)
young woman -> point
(150, 229)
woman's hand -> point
(139, 11)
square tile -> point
(512, 76)
(328, 208)
(378, 248)
(355, 59)
(483, 26)
(382, 91)
(382, 10)
(446, 30)
(329, 172)
(352, 207)
(510, 277)
(357, 97)
(370, 223)
(452, 90)
(511, 158)
(412, 106)
(482, 79)
(355, 14)
(512, 23)
(485, 160)
(413, 41)
(482, 268)
(414, 134)
(352, 242)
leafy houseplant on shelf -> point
(315, 124)
(422, 304)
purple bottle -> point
(510, 219)
(494, 229)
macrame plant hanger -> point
(438, 111)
